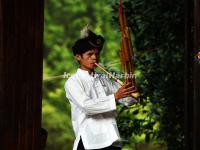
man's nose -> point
(94, 56)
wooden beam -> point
(21, 38)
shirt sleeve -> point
(127, 101)
(76, 94)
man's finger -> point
(130, 88)
(130, 92)
(127, 84)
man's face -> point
(88, 59)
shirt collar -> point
(85, 73)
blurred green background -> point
(158, 35)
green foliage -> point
(158, 28)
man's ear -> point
(78, 57)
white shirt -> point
(93, 109)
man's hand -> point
(125, 91)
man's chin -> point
(92, 68)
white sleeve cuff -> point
(112, 102)
(128, 101)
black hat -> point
(89, 40)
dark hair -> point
(87, 43)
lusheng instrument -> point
(126, 53)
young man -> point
(93, 98)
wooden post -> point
(196, 75)
(192, 75)
(21, 38)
